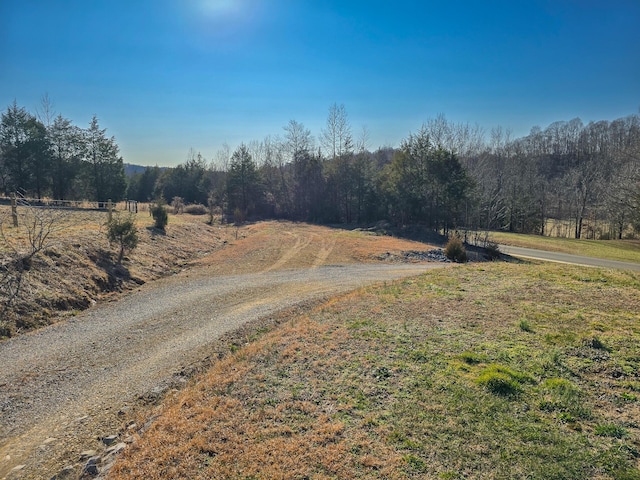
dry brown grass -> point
(233, 425)
(269, 245)
(79, 267)
(384, 383)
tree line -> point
(52, 157)
(567, 179)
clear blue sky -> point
(167, 75)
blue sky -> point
(164, 76)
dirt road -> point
(64, 387)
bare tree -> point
(440, 131)
(36, 230)
(222, 158)
(46, 113)
(336, 137)
(363, 141)
(297, 139)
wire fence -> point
(130, 205)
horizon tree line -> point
(569, 179)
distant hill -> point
(131, 169)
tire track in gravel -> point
(62, 385)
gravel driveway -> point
(64, 386)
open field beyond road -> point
(561, 257)
(618, 250)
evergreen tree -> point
(308, 187)
(243, 182)
(189, 181)
(105, 167)
(426, 184)
(143, 186)
(67, 145)
(26, 158)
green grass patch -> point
(471, 358)
(610, 430)
(502, 380)
(525, 326)
(434, 378)
(564, 399)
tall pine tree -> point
(104, 167)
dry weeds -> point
(383, 383)
(80, 268)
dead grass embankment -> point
(78, 268)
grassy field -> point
(622, 250)
(479, 371)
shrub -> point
(454, 250)
(35, 229)
(212, 207)
(215, 211)
(178, 205)
(160, 215)
(6, 330)
(196, 209)
(123, 231)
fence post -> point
(14, 210)
(109, 207)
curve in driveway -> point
(567, 258)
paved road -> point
(62, 384)
(567, 258)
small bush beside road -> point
(455, 251)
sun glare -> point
(218, 8)
(223, 23)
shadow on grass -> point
(156, 232)
(117, 274)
